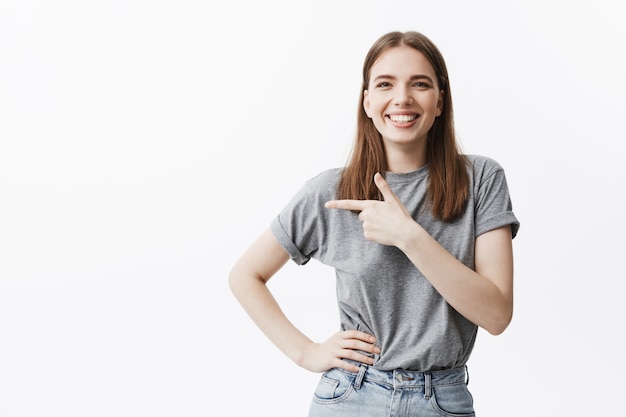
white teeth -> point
(402, 118)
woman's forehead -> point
(401, 61)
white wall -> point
(145, 144)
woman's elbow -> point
(233, 282)
(242, 281)
(236, 281)
(500, 323)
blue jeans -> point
(374, 393)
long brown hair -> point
(448, 183)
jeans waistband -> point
(411, 379)
(400, 378)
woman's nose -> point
(403, 97)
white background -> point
(145, 144)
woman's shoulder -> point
(326, 178)
(483, 165)
(322, 185)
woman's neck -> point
(402, 159)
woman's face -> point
(403, 98)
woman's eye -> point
(420, 84)
(383, 84)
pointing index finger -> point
(346, 204)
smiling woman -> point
(403, 99)
(419, 236)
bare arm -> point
(248, 280)
(483, 296)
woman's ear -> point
(440, 103)
(366, 103)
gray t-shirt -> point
(379, 291)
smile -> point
(402, 118)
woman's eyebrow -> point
(413, 77)
(421, 77)
(385, 76)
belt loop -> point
(427, 387)
(360, 376)
(466, 375)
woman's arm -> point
(248, 280)
(483, 296)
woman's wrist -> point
(412, 237)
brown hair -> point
(448, 183)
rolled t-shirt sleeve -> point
(301, 226)
(493, 206)
(284, 239)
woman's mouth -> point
(402, 118)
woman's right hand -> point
(320, 357)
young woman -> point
(420, 236)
